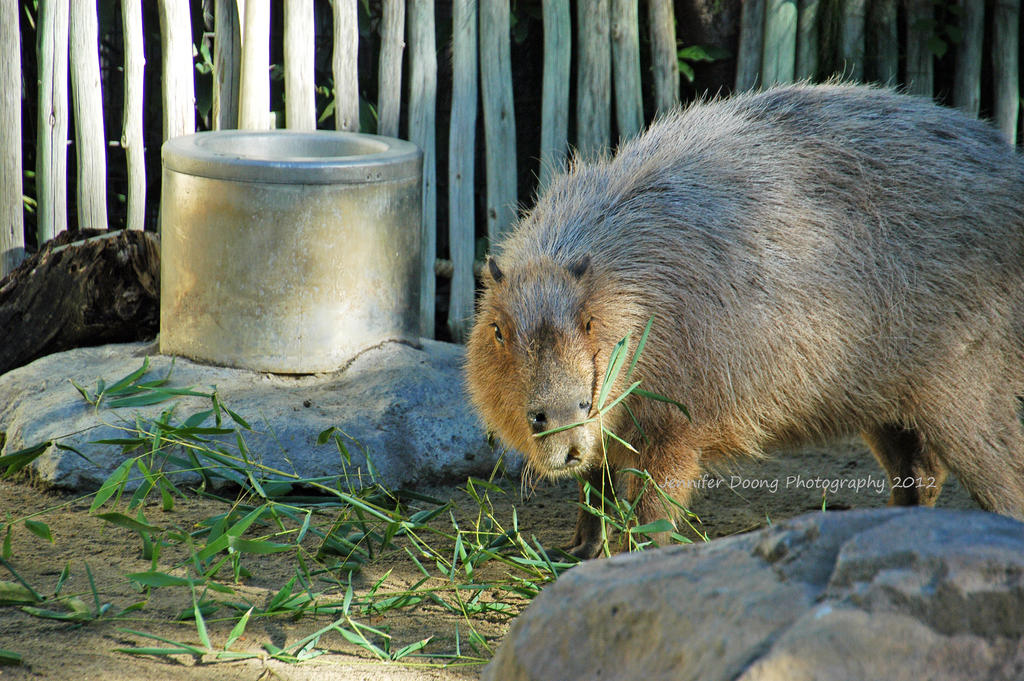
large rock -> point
(883, 594)
(403, 405)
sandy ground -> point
(746, 496)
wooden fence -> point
(780, 41)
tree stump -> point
(75, 293)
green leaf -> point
(257, 546)
(15, 461)
(238, 629)
(9, 657)
(159, 579)
(125, 382)
(73, 616)
(640, 346)
(12, 593)
(114, 483)
(121, 520)
(40, 529)
(661, 398)
(660, 525)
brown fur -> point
(819, 260)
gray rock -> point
(404, 406)
(877, 594)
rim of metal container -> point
(292, 157)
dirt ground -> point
(748, 495)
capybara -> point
(818, 260)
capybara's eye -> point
(589, 324)
(497, 334)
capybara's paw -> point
(585, 550)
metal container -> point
(288, 252)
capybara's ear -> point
(492, 267)
(579, 268)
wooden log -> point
(461, 158)
(852, 38)
(422, 125)
(179, 95)
(90, 139)
(102, 290)
(254, 79)
(920, 63)
(1006, 66)
(12, 216)
(499, 117)
(967, 76)
(625, 34)
(52, 128)
(593, 81)
(664, 62)
(299, 86)
(884, 42)
(748, 57)
(389, 79)
(807, 40)
(345, 65)
(131, 130)
(554, 117)
(227, 64)
(778, 57)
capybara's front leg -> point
(587, 540)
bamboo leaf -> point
(121, 520)
(238, 629)
(15, 461)
(12, 593)
(40, 529)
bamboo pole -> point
(254, 80)
(967, 77)
(807, 40)
(499, 117)
(748, 57)
(461, 157)
(593, 82)
(778, 56)
(12, 216)
(299, 88)
(131, 130)
(554, 126)
(227, 64)
(852, 38)
(884, 42)
(422, 124)
(920, 66)
(88, 102)
(625, 34)
(179, 96)
(345, 65)
(389, 80)
(664, 62)
(52, 135)
(1006, 66)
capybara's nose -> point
(538, 421)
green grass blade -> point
(615, 361)
(640, 347)
(661, 398)
(9, 657)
